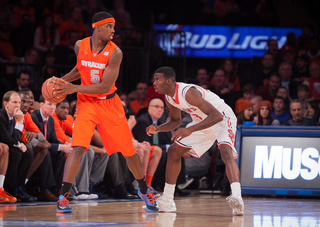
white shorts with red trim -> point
(224, 132)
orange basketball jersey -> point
(91, 65)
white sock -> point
(1, 180)
(235, 188)
(26, 180)
(169, 190)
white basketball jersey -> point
(179, 101)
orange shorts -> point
(109, 117)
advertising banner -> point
(218, 41)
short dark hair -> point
(23, 92)
(7, 95)
(249, 88)
(65, 100)
(42, 99)
(278, 97)
(23, 72)
(303, 87)
(167, 72)
(101, 16)
(154, 99)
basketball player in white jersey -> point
(212, 120)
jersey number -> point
(95, 76)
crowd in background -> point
(282, 89)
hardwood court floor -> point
(194, 210)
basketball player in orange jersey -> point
(98, 64)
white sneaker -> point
(155, 192)
(165, 204)
(81, 197)
(236, 203)
(93, 196)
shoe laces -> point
(64, 201)
(150, 198)
(8, 195)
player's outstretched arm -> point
(194, 98)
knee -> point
(43, 152)
(157, 152)
(5, 150)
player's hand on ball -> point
(181, 133)
(152, 129)
(63, 88)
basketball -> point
(47, 90)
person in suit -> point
(20, 157)
(34, 139)
(155, 116)
(57, 152)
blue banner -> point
(218, 41)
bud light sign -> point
(218, 41)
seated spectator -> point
(300, 70)
(162, 140)
(255, 103)
(31, 60)
(297, 111)
(20, 157)
(232, 79)
(244, 112)
(34, 139)
(314, 50)
(248, 92)
(203, 78)
(303, 91)
(284, 93)
(4, 159)
(288, 54)
(93, 162)
(312, 108)
(314, 70)
(142, 99)
(149, 155)
(264, 114)
(34, 105)
(268, 92)
(306, 35)
(273, 48)
(58, 151)
(285, 72)
(73, 24)
(23, 80)
(261, 74)
(279, 112)
(46, 36)
(221, 89)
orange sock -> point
(149, 179)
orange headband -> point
(105, 21)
